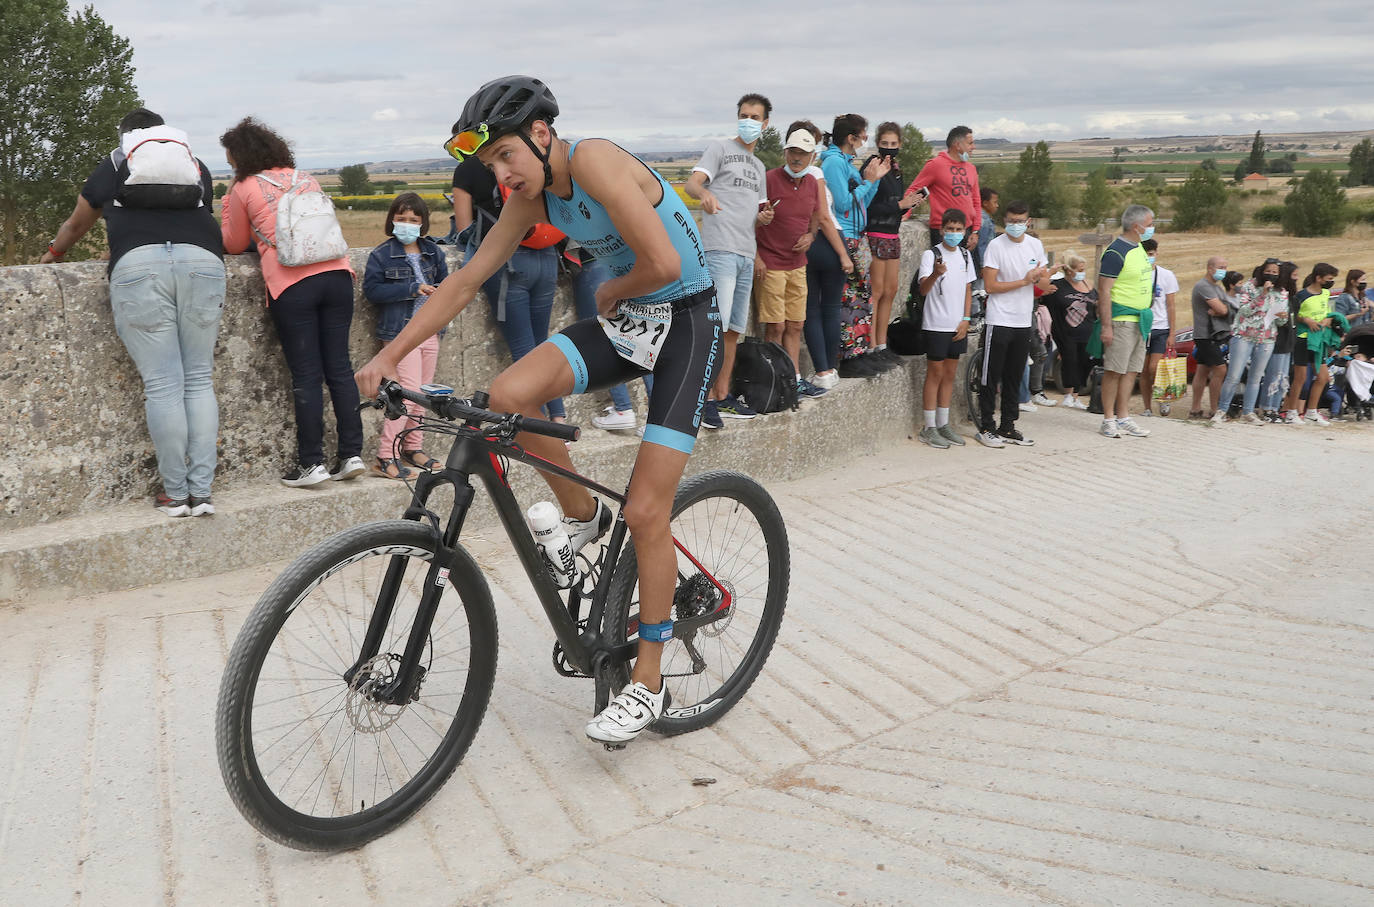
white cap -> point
(802, 140)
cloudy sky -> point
(348, 81)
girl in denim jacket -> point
(401, 274)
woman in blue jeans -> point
(521, 299)
(1261, 307)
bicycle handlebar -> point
(390, 395)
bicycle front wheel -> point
(313, 750)
(729, 530)
(973, 377)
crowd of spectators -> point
(808, 252)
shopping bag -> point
(1171, 381)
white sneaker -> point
(1041, 400)
(626, 715)
(612, 419)
(826, 381)
(1318, 418)
(580, 532)
(303, 476)
(1072, 402)
(1110, 428)
(349, 469)
(1027, 407)
(1129, 427)
(1251, 419)
(1219, 418)
(1292, 418)
(989, 439)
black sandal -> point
(383, 469)
(429, 465)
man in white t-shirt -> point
(946, 282)
(1012, 266)
(1162, 329)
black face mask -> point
(1327, 284)
(1269, 278)
(1361, 286)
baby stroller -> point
(1356, 357)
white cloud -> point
(386, 114)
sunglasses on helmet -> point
(465, 144)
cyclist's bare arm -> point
(628, 191)
(454, 294)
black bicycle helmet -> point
(507, 105)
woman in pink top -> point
(311, 305)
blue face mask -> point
(1219, 275)
(1016, 231)
(795, 174)
(405, 233)
(953, 239)
(1149, 233)
(1080, 276)
(1151, 258)
(750, 130)
(963, 156)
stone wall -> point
(78, 441)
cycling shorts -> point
(681, 378)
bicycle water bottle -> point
(547, 526)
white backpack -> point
(308, 230)
(163, 173)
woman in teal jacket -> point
(851, 193)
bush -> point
(1200, 201)
(1269, 214)
(1316, 206)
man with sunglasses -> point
(628, 217)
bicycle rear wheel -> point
(311, 751)
(731, 530)
(973, 377)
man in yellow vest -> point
(1125, 291)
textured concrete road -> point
(1095, 671)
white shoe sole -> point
(306, 481)
(345, 475)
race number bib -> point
(637, 331)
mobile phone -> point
(774, 203)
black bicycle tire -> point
(718, 483)
(258, 804)
(972, 379)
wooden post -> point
(1100, 240)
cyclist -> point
(659, 306)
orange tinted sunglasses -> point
(465, 144)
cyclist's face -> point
(513, 165)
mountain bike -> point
(361, 676)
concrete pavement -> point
(1092, 671)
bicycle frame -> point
(477, 454)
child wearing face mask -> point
(401, 274)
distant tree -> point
(915, 151)
(1242, 171)
(1096, 200)
(1114, 172)
(390, 187)
(769, 148)
(1316, 206)
(1209, 164)
(220, 189)
(1200, 201)
(1032, 182)
(1257, 151)
(1281, 165)
(1118, 151)
(65, 83)
(353, 180)
(1361, 164)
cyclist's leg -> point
(648, 506)
(577, 359)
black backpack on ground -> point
(764, 376)
(1095, 390)
(905, 336)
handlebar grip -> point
(564, 431)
